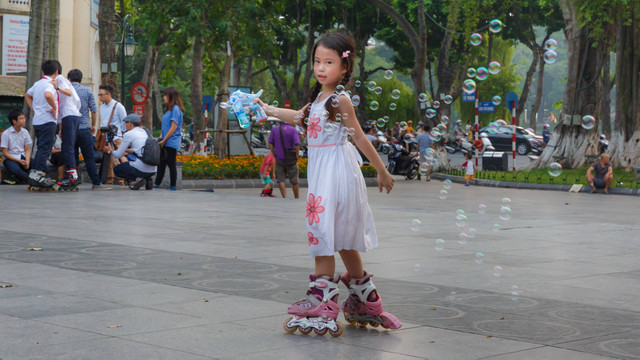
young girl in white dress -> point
(338, 217)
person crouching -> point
(134, 170)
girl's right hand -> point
(385, 180)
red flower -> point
(314, 209)
(313, 127)
(312, 239)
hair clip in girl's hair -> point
(346, 54)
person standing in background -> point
(171, 137)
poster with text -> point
(15, 43)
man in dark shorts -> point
(291, 141)
(602, 176)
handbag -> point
(101, 138)
(290, 155)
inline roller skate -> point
(318, 311)
(364, 305)
(38, 182)
(69, 183)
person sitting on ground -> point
(603, 174)
(16, 148)
(134, 170)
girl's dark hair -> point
(173, 99)
(345, 46)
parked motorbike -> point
(402, 162)
(185, 145)
(603, 144)
(383, 144)
(482, 144)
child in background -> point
(468, 175)
(267, 172)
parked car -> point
(501, 138)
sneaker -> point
(156, 186)
(149, 185)
(140, 182)
(172, 188)
(466, 184)
(9, 181)
(101, 187)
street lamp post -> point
(128, 48)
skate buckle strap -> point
(329, 288)
(363, 290)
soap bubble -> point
(388, 74)
(448, 99)
(462, 238)
(495, 26)
(381, 123)
(415, 225)
(494, 67)
(555, 169)
(471, 72)
(550, 44)
(497, 271)
(443, 194)
(329, 127)
(403, 124)
(224, 105)
(339, 88)
(472, 232)
(378, 90)
(351, 131)
(459, 212)
(436, 104)
(338, 117)
(430, 113)
(392, 106)
(345, 116)
(439, 245)
(395, 94)
(496, 100)
(461, 217)
(275, 103)
(505, 213)
(447, 184)
(355, 100)
(479, 258)
(335, 103)
(416, 267)
(475, 39)
(482, 73)
(496, 227)
(506, 202)
(501, 122)
(306, 121)
(386, 118)
(444, 119)
(514, 293)
(452, 295)
(469, 86)
(550, 57)
(482, 209)
(358, 83)
(423, 97)
(371, 85)
(588, 122)
(424, 169)
(461, 223)
(435, 135)
(374, 105)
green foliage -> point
(405, 106)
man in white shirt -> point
(111, 113)
(70, 120)
(135, 171)
(16, 146)
(42, 98)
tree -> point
(108, 56)
(43, 40)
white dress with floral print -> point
(338, 216)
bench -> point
(533, 158)
(591, 158)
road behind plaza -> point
(201, 275)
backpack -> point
(150, 151)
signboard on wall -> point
(95, 5)
(15, 43)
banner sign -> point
(15, 43)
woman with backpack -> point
(170, 138)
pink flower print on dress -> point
(313, 127)
(314, 209)
(312, 239)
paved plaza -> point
(202, 275)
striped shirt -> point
(87, 103)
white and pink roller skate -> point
(319, 310)
(364, 306)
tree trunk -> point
(604, 108)
(448, 81)
(43, 41)
(108, 27)
(308, 71)
(220, 141)
(419, 43)
(539, 84)
(196, 93)
(625, 142)
(158, 92)
(148, 78)
(570, 140)
(524, 95)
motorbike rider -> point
(458, 133)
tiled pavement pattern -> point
(198, 275)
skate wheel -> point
(346, 318)
(375, 325)
(363, 324)
(339, 331)
(321, 332)
(304, 331)
(289, 329)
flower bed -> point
(237, 167)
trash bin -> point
(495, 161)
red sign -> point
(287, 104)
(138, 109)
(139, 93)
